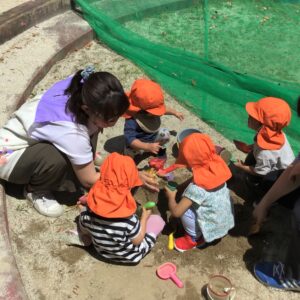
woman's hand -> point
(149, 181)
(260, 213)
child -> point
(110, 220)
(142, 125)
(205, 206)
(283, 274)
(271, 152)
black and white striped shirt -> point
(112, 237)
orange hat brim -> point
(252, 111)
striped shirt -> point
(112, 238)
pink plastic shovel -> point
(168, 270)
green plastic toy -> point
(149, 204)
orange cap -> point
(110, 196)
(197, 152)
(145, 95)
(274, 114)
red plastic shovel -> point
(168, 270)
(242, 146)
(163, 172)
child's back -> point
(205, 207)
(271, 152)
(112, 237)
(110, 220)
(213, 210)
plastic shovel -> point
(163, 172)
(168, 270)
(242, 146)
(171, 241)
(149, 205)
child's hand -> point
(179, 115)
(239, 163)
(145, 214)
(82, 200)
(170, 194)
(154, 147)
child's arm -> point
(145, 215)
(248, 169)
(149, 147)
(131, 140)
(173, 112)
(177, 209)
(184, 185)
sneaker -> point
(45, 203)
(272, 274)
(186, 242)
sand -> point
(7, 5)
(51, 269)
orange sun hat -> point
(145, 95)
(110, 196)
(197, 152)
(274, 114)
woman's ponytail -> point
(74, 104)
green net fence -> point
(213, 56)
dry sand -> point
(7, 5)
(52, 270)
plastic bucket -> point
(220, 288)
(186, 132)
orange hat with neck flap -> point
(145, 95)
(110, 196)
(274, 114)
(197, 152)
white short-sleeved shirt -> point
(22, 131)
(272, 160)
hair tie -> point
(86, 72)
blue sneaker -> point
(272, 275)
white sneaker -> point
(45, 203)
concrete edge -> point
(42, 71)
(12, 287)
(24, 16)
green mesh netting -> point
(212, 56)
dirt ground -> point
(51, 269)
